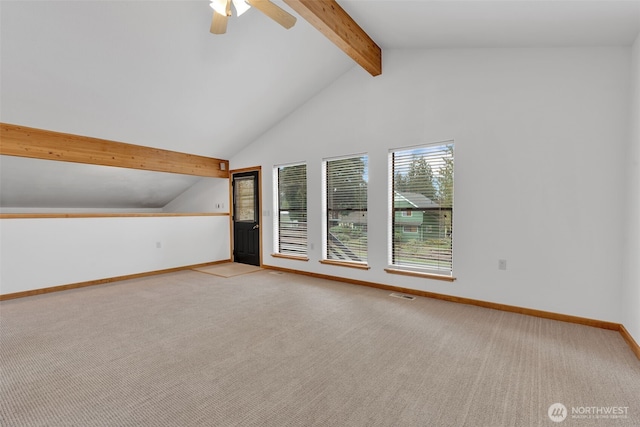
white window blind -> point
(346, 209)
(421, 200)
(291, 219)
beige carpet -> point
(268, 349)
(230, 269)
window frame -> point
(420, 268)
(326, 259)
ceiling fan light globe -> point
(241, 6)
(219, 6)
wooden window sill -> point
(350, 264)
(294, 257)
(420, 274)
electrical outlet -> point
(158, 245)
(502, 264)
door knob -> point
(256, 226)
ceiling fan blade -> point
(274, 12)
(218, 23)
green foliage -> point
(346, 185)
(401, 182)
(420, 178)
(346, 233)
(437, 187)
(293, 191)
(438, 243)
(344, 238)
(445, 181)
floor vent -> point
(277, 272)
(402, 296)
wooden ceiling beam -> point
(336, 24)
(22, 141)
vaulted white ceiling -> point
(406, 24)
(150, 73)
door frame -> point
(231, 207)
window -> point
(346, 209)
(421, 182)
(244, 196)
(407, 213)
(291, 220)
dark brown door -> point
(246, 215)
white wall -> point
(206, 195)
(632, 225)
(41, 253)
(540, 136)
(18, 210)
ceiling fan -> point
(222, 12)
